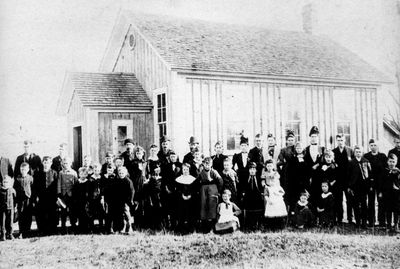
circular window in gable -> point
(132, 41)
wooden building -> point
(216, 81)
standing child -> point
(7, 208)
(108, 161)
(210, 184)
(23, 187)
(153, 200)
(302, 213)
(126, 191)
(96, 198)
(275, 208)
(325, 207)
(109, 181)
(138, 177)
(66, 180)
(81, 200)
(227, 214)
(230, 180)
(196, 164)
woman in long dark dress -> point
(138, 177)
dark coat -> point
(359, 180)
(342, 160)
(378, 164)
(218, 162)
(57, 164)
(45, 185)
(256, 155)
(241, 171)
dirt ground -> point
(239, 250)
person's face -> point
(313, 138)
(47, 165)
(27, 148)
(258, 142)
(373, 147)
(391, 163)
(397, 143)
(118, 163)
(340, 142)
(271, 141)
(270, 167)
(83, 174)
(185, 170)
(218, 149)
(324, 187)
(153, 151)
(122, 173)
(130, 147)
(139, 154)
(225, 197)
(227, 165)
(358, 153)
(197, 156)
(24, 170)
(67, 164)
(207, 166)
(110, 171)
(244, 148)
(165, 145)
(97, 170)
(328, 158)
(299, 149)
(173, 158)
(192, 146)
(290, 141)
(252, 171)
(303, 199)
(109, 160)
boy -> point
(230, 180)
(45, 183)
(108, 197)
(7, 197)
(396, 149)
(390, 193)
(81, 199)
(325, 207)
(108, 161)
(66, 180)
(219, 157)
(96, 205)
(302, 213)
(358, 185)
(23, 187)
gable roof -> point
(104, 90)
(195, 45)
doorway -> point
(77, 143)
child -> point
(325, 207)
(185, 192)
(253, 201)
(7, 198)
(23, 187)
(219, 157)
(45, 183)
(196, 164)
(358, 185)
(87, 163)
(302, 213)
(153, 208)
(269, 174)
(230, 180)
(126, 192)
(96, 202)
(66, 180)
(81, 200)
(275, 208)
(390, 193)
(227, 214)
(108, 161)
(118, 162)
(109, 197)
(210, 184)
(138, 177)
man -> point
(313, 156)
(240, 163)
(218, 158)
(193, 144)
(343, 155)
(396, 150)
(378, 163)
(164, 152)
(256, 154)
(273, 151)
(129, 156)
(34, 161)
(286, 154)
(57, 161)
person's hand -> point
(333, 182)
(350, 191)
(380, 195)
(315, 166)
(102, 201)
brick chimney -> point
(307, 14)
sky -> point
(40, 40)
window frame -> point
(164, 122)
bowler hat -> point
(314, 130)
(129, 140)
(244, 140)
(109, 155)
(193, 140)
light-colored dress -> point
(275, 206)
(227, 220)
(270, 176)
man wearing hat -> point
(57, 161)
(378, 161)
(240, 162)
(163, 153)
(313, 156)
(256, 154)
(129, 155)
(343, 155)
(273, 151)
(193, 144)
(285, 155)
(34, 161)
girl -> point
(227, 214)
(153, 160)
(325, 207)
(81, 198)
(139, 180)
(153, 201)
(196, 165)
(302, 213)
(96, 205)
(230, 180)
(185, 191)
(275, 208)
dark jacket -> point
(359, 175)
(34, 161)
(378, 164)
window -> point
(161, 114)
(121, 130)
(343, 113)
(293, 101)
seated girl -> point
(227, 214)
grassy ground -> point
(240, 250)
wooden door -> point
(77, 142)
(121, 129)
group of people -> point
(253, 189)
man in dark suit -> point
(240, 163)
(313, 156)
(193, 144)
(57, 161)
(343, 155)
(396, 150)
(256, 154)
(34, 161)
(5, 169)
(164, 152)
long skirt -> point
(208, 202)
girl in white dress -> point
(227, 214)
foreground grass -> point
(240, 250)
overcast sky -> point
(40, 40)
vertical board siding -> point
(76, 111)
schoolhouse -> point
(182, 77)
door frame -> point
(129, 131)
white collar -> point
(187, 180)
(302, 204)
(324, 195)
